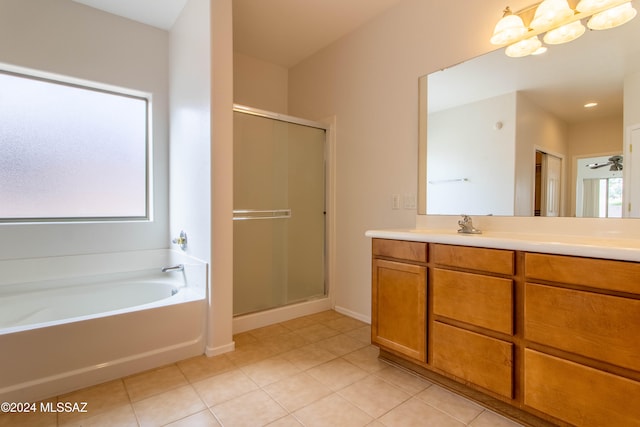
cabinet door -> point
(481, 360)
(399, 308)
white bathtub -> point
(70, 322)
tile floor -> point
(317, 370)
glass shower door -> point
(279, 213)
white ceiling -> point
(282, 32)
(158, 13)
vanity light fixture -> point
(613, 17)
(530, 46)
(565, 33)
(551, 14)
(590, 104)
(508, 29)
(559, 21)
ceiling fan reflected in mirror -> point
(615, 162)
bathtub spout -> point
(179, 267)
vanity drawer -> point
(490, 260)
(578, 394)
(599, 326)
(400, 249)
(597, 273)
(483, 301)
(481, 360)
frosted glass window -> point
(71, 152)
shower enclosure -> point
(279, 210)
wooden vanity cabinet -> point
(399, 297)
(554, 338)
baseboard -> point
(280, 314)
(353, 314)
(215, 351)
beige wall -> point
(369, 80)
(596, 137)
(260, 84)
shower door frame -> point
(329, 226)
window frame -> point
(148, 149)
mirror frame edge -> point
(422, 145)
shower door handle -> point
(251, 214)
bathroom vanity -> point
(543, 330)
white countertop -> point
(593, 247)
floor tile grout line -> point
(409, 397)
(191, 381)
(449, 414)
(477, 416)
(337, 392)
(332, 392)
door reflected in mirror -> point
(548, 184)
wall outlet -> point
(395, 201)
(409, 201)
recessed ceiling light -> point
(590, 104)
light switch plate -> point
(395, 204)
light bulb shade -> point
(508, 29)
(565, 34)
(524, 47)
(613, 17)
(550, 13)
(590, 6)
(540, 50)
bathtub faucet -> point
(179, 267)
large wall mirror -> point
(511, 136)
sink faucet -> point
(466, 226)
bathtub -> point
(74, 321)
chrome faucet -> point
(179, 267)
(466, 226)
